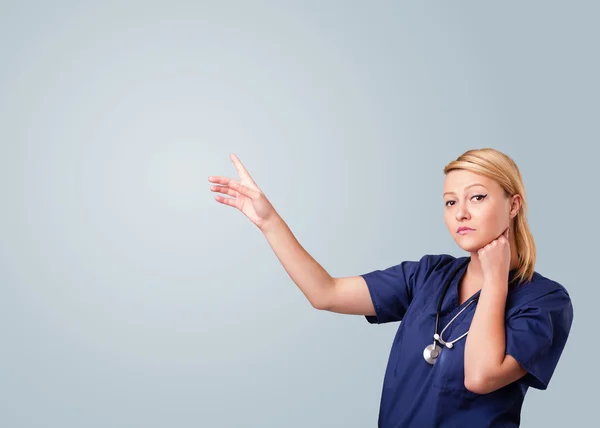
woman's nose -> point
(461, 214)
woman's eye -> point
(475, 196)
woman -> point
(517, 320)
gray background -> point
(130, 297)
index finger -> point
(240, 167)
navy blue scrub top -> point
(416, 394)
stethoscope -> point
(432, 351)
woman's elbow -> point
(477, 385)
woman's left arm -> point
(487, 366)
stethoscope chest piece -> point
(431, 353)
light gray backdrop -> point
(130, 297)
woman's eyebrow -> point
(470, 185)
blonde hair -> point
(496, 165)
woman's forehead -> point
(458, 180)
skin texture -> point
(485, 208)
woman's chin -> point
(469, 246)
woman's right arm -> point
(347, 295)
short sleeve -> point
(536, 335)
(392, 289)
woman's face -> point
(475, 201)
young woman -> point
(517, 320)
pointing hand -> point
(246, 196)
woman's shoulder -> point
(555, 282)
(544, 284)
(539, 291)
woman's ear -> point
(515, 205)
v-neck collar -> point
(453, 291)
(454, 294)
